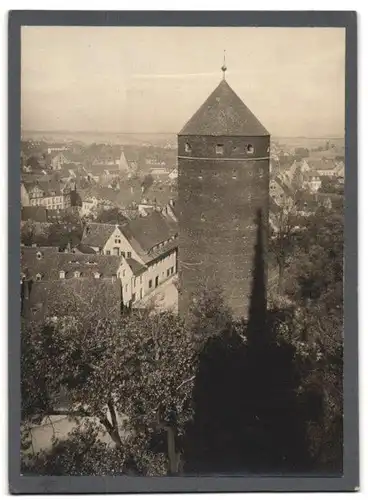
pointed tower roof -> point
(224, 114)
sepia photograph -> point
(182, 195)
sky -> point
(152, 79)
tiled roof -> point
(48, 262)
(47, 186)
(96, 234)
(151, 230)
(119, 198)
(143, 233)
(224, 113)
(136, 267)
(84, 249)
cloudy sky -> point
(153, 79)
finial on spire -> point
(224, 67)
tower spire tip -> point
(224, 67)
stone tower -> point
(223, 164)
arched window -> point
(188, 147)
(39, 255)
(249, 149)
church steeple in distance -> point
(224, 67)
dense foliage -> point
(207, 395)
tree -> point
(282, 236)
(315, 284)
(331, 185)
(111, 216)
(147, 182)
(141, 366)
(208, 314)
(28, 233)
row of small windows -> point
(128, 255)
(259, 173)
(220, 149)
(76, 274)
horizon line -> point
(60, 131)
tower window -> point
(219, 149)
(249, 149)
(188, 147)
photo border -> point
(95, 484)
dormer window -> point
(77, 274)
(62, 274)
(97, 275)
(38, 277)
(249, 149)
(188, 147)
(39, 255)
(219, 149)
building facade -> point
(148, 247)
(52, 195)
(223, 184)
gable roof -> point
(96, 234)
(143, 233)
(224, 114)
(151, 230)
(47, 186)
(136, 267)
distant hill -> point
(100, 137)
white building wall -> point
(125, 274)
(159, 269)
(118, 241)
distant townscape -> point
(99, 213)
(182, 300)
(103, 212)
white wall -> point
(159, 269)
(123, 246)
